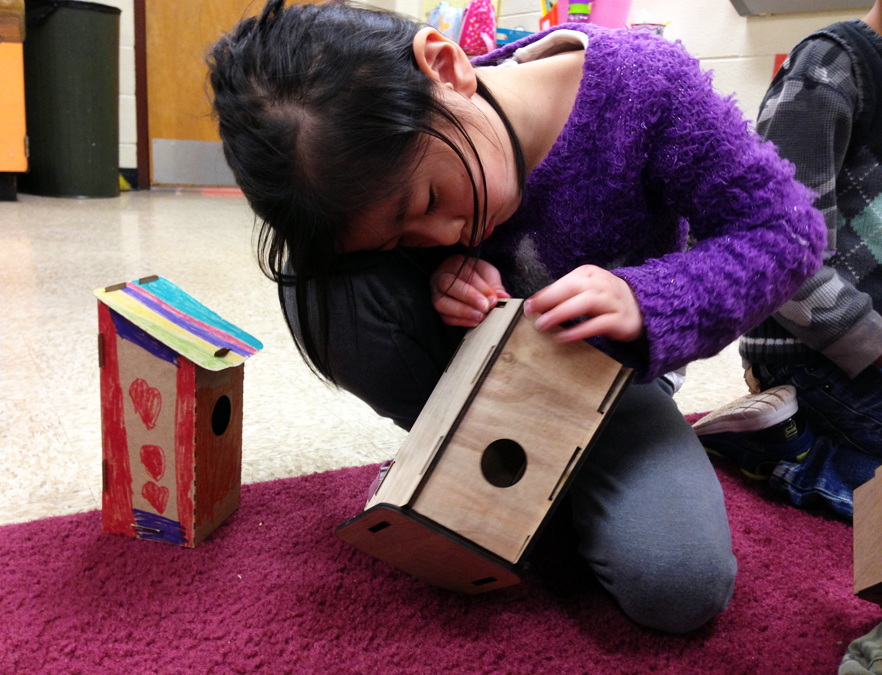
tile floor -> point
(55, 252)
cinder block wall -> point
(739, 50)
(128, 128)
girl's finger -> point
(476, 275)
(459, 311)
(605, 324)
(584, 304)
(456, 321)
(598, 314)
(446, 285)
(490, 275)
(579, 280)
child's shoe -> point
(758, 431)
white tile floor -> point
(55, 252)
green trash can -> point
(71, 62)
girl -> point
(577, 160)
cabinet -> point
(755, 7)
(13, 143)
(13, 135)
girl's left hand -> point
(606, 300)
(464, 291)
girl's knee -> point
(681, 596)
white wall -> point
(740, 50)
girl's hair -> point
(323, 113)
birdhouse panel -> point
(116, 496)
(185, 448)
(218, 456)
(522, 436)
(445, 405)
(868, 539)
(147, 455)
(149, 388)
(419, 547)
(489, 471)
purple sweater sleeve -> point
(757, 236)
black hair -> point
(324, 112)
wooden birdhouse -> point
(171, 412)
(868, 539)
(489, 458)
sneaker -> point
(758, 431)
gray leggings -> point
(650, 516)
(647, 505)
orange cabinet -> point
(13, 138)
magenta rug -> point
(274, 591)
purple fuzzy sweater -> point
(650, 154)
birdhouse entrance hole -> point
(503, 463)
(221, 415)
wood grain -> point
(544, 395)
(444, 405)
(179, 35)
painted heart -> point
(153, 459)
(156, 495)
(147, 401)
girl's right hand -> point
(463, 294)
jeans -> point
(845, 417)
(647, 506)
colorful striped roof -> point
(180, 322)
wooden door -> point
(183, 143)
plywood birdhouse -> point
(489, 458)
(868, 539)
(171, 412)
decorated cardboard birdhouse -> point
(489, 458)
(868, 539)
(171, 412)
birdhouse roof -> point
(180, 322)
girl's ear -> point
(444, 61)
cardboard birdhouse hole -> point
(511, 420)
(171, 412)
(221, 415)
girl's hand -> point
(465, 300)
(588, 291)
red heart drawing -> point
(153, 459)
(147, 400)
(156, 495)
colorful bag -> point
(446, 20)
(478, 28)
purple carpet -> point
(273, 590)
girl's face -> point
(436, 206)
